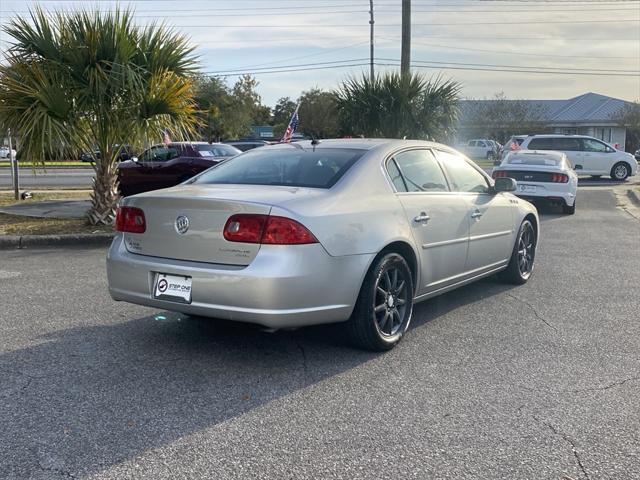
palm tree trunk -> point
(104, 198)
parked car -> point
(126, 153)
(163, 166)
(541, 176)
(317, 232)
(4, 152)
(587, 155)
(245, 145)
(479, 148)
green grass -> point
(19, 225)
(69, 163)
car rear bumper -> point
(552, 196)
(284, 286)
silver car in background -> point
(352, 231)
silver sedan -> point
(351, 231)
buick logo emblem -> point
(182, 224)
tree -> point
(87, 78)
(221, 114)
(318, 113)
(629, 117)
(397, 106)
(250, 101)
(500, 118)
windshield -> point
(216, 150)
(290, 167)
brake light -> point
(266, 229)
(499, 174)
(559, 178)
(130, 220)
(245, 228)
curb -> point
(81, 239)
(634, 197)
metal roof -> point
(588, 108)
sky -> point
(536, 49)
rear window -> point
(534, 160)
(211, 150)
(543, 143)
(291, 167)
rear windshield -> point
(279, 166)
(210, 150)
(534, 160)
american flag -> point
(166, 139)
(291, 128)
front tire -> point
(620, 172)
(523, 256)
(383, 310)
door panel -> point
(438, 217)
(596, 157)
(491, 230)
(489, 214)
(441, 239)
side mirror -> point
(505, 184)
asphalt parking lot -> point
(493, 381)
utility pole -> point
(14, 169)
(371, 22)
(405, 56)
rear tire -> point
(620, 171)
(520, 267)
(569, 210)
(383, 310)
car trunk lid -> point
(207, 209)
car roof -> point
(357, 143)
(558, 135)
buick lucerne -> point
(351, 231)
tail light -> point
(130, 220)
(499, 174)
(266, 229)
(559, 178)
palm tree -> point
(397, 106)
(80, 80)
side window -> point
(541, 144)
(396, 177)
(172, 153)
(472, 143)
(590, 145)
(465, 178)
(421, 172)
(148, 155)
(567, 144)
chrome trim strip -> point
(444, 243)
(490, 235)
(497, 267)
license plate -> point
(527, 188)
(172, 287)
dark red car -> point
(163, 166)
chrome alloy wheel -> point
(526, 250)
(391, 301)
(620, 172)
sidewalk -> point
(66, 209)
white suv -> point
(588, 155)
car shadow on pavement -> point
(85, 399)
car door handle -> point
(476, 214)
(422, 218)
